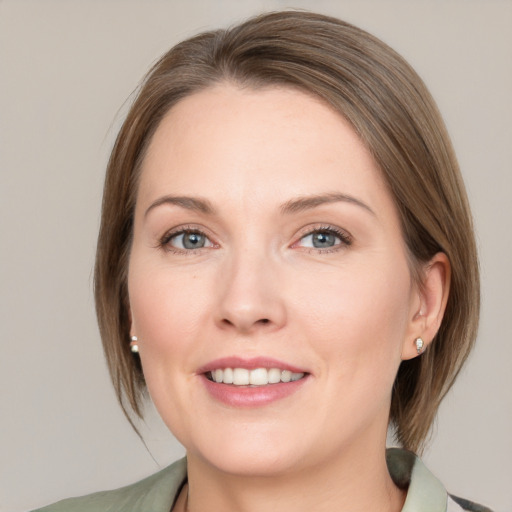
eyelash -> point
(343, 236)
(164, 242)
(345, 239)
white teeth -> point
(240, 376)
(274, 376)
(228, 376)
(286, 376)
(256, 377)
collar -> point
(425, 493)
(158, 492)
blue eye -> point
(324, 239)
(187, 240)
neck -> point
(356, 482)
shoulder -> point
(456, 504)
(155, 493)
(425, 493)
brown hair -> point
(396, 118)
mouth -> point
(256, 377)
(252, 382)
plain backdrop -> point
(66, 70)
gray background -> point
(66, 69)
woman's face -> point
(267, 248)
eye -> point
(320, 240)
(324, 238)
(187, 240)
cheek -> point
(358, 317)
(166, 306)
(168, 311)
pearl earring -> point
(419, 345)
(134, 346)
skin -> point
(346, 314)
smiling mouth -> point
(256, 377)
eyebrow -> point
(188, 203)
(307, 202)
(297, 205)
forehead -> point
(248, 143)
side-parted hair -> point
(396, 118)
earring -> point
(134, 346)
(419, 345)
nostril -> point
(244, 325)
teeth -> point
(274, 375)
(227, 377)
(286, 376)
(257, 377)
(240, 376)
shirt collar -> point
(425, 493)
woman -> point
(286, 261)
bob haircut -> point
(390, 109)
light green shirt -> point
(158, 492)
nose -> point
(251, 298)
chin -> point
(251, 463)
(248, 452)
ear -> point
(429, 304)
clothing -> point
(158, 492)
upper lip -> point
(249, 364)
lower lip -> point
(255, 396)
